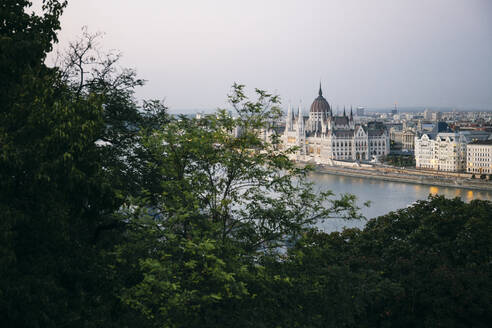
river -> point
(384, 196)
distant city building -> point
(394, 111)
(408, 139)
(396, 137)
(360, 111)
(427, 114)
(479, 157)
(442, 151)
(436, 116)
(322, 136)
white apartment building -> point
(479, 157)
(442, 151)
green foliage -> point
(424, 266)
(399, 160)
(321, 282)
(183, 284)
(25, 39)
(58, 198)
(88, 70)
(249, 193)
(219, 182)
(439, 253)
(53, 196)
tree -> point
(89, 70)
(438, 251)
(58, 199)
(226, 197)
(321, 282)
(424, 266)
(25, 41)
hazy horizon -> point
(411, 109)
(414, 53)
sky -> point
(431, 53)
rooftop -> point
(481, 142)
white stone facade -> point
(479, 157)
(441, 152)
(322, 137)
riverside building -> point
(479, 157)
(322, 136)
(442, 151)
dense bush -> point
(399, 160)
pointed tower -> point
(289, 121)
(351, 119)
(323, 126)
(320, 109)
(300, 120)
(344, 114)
(301, 134)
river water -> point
(384, 196)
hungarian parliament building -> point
(323, 137)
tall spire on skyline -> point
(289, 117)
(320, 92)
(300, 119)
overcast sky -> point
(371, 53)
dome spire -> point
(320, 93)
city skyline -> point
(413, 53)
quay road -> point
(424, 177)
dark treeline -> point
(115, 214)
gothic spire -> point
(351, 113)
(320, 93)
(289, 117)
(300, 119)
(344, 114)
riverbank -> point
(429, 178)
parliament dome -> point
(320, 105)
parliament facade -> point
(322, 136)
